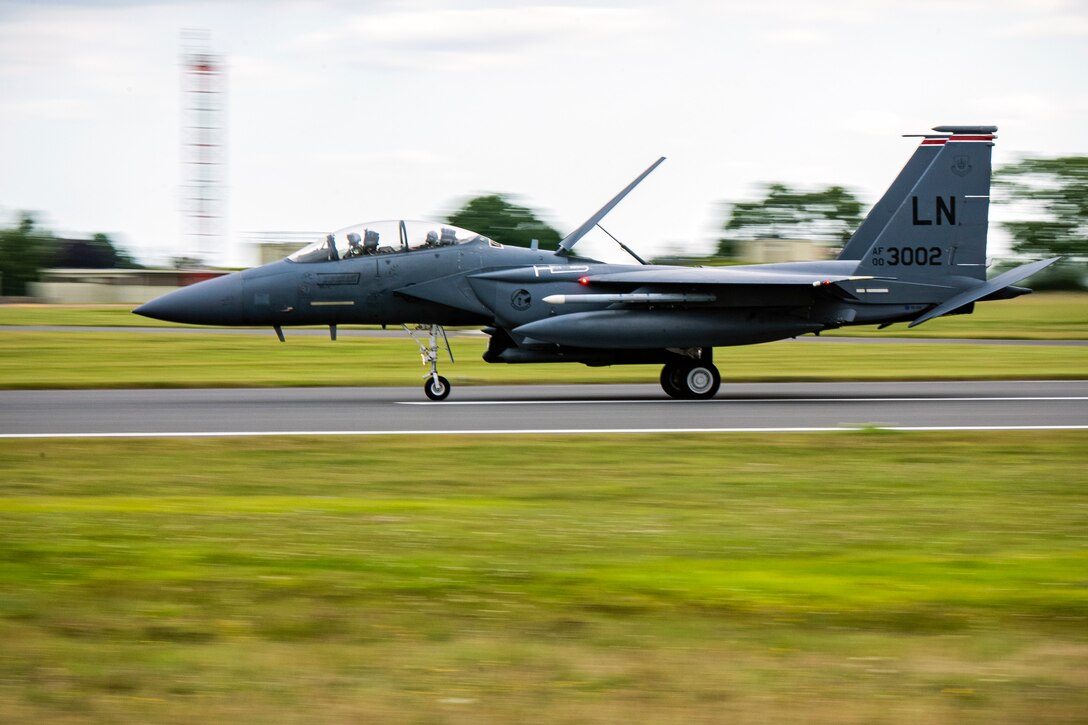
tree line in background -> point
(497, 217)
(826, 215)
(1048, 195)
(26, 249)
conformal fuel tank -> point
(640, 329)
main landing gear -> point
(435, 386)
(691, 379)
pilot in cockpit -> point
(432, 239)
(355, 247)
(370, 242)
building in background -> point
(112, 286)
(769, 251)
(273, 246)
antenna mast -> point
(203, 152)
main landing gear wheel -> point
(437, 388)
(672, 380)
(691, 380)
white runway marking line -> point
(746, 400)
(546, 431)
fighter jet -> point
(919, 254)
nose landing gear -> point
(435, 386)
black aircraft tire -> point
(672, 380)
(441, 391)
(701, 381)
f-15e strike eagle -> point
(920, 254)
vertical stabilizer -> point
(939, 229)
(883, 210)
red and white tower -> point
(203, 150)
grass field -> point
(1053, 315)
(74, 360)
(101, 359)
(1047, 315)
(864, 577)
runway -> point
(543, 409)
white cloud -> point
(877, 122)
(84, 50)
(807, 12)
(1058, 25)
(48, 109)
(464, 39)
(555, 99)
(797, 36)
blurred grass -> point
(1040, 316)
(93, 359)
(863, 577)
(79, 315)
(1047, 315)
(99, 359)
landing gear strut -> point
(691, 379)
(435, 386)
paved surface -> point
(398, 332)
(543, 409)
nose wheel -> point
(435, 386)
(691, 380)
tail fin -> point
(939, 229)
(568, 242)
(883, 210)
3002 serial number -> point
(905, 256)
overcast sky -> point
(342, 112)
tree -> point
(98, 252)
(24, 250)
(497, 217)
(830, 214)
(1054, 192)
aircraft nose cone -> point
(211, 302)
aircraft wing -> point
(658, 285)
(717, 276)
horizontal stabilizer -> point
(999, 282)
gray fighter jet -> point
(920, 254)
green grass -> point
(74, 360)
(80, 315)
(1041, 316)
(1053, 315)
(92, 359)
(864, 577)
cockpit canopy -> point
(386, 237)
